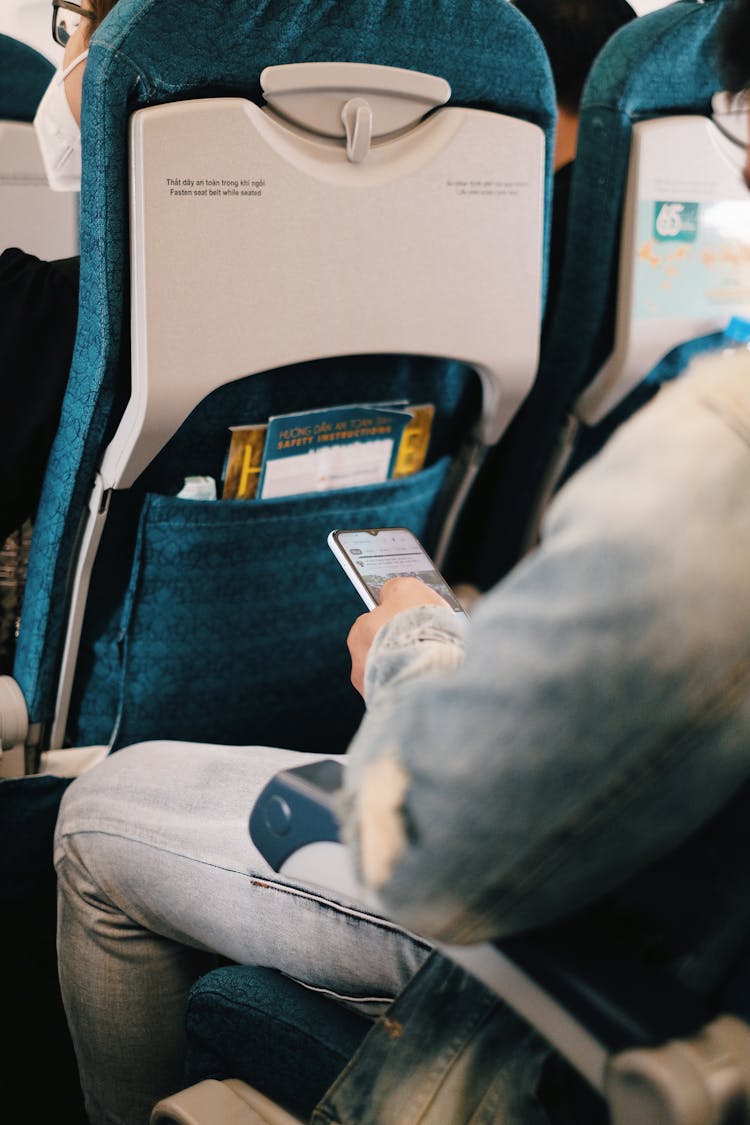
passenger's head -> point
(734, 55)
(74, 25)
(573, 33)
(58, 118)
(67, 15)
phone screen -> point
(377, 554)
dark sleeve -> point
(38, 312)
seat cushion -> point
(285, 1040)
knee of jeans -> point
(63, 839)
(81, 874)
(78, 805)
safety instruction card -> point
(320, 450)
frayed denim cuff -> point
(422, 641)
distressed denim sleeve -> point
(418, 643)
(602, 710)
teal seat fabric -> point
(249, 588)
(283, 1039)
(24, 76)
(149, 52)
(659, 65)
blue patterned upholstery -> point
(154, 51)
(24, 76)
(278, 1036)
(660, 64)
(214, 580)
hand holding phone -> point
(371, 556)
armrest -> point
(14, 729)
(14, 718)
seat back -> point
(683, 260)
(145, 54)
(306, 252)
(653, 71)
(32, 216)
(660, 66)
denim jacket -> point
(578, 743)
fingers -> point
(397, 595)
(405, 592)
(361, 636)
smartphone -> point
(370, 556)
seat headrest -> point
(24, 76)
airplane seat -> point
(24, 78)
(655, 1041)
(256, 1025)
(38, 221)
(647, 108)
(654, 72)
(176, 610)
(120, 637)
(32, 216)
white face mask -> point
(58, 133)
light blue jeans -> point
(599, 716)
(156, 872)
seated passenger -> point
(39, 300)
(562, 747)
